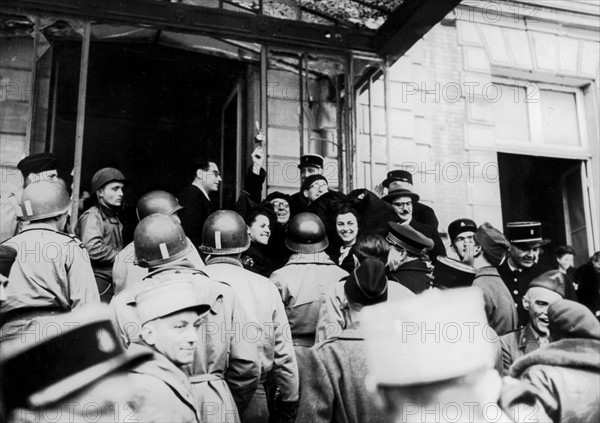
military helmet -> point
(158, 239)
(224, 233)
(104, 176)
(306, 234)
(157, 202)
(44, 199)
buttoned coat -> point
(500, 309)
(302, 284)
(414, 275)
(515, 345)
(196, 209)
(333, 385)
(226, 367)
(163, 391)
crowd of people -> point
(314, 307)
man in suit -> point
(403, 179)
(403, 202)
(196, 201)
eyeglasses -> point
(318, 185)
(402, 204)
(281, 204)
(216, 173)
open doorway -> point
(151, 110)
(548, 190)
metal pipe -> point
(301, 98)
(32, 88)
(264, 110)
(387, 103)
(83, 72)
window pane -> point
(559, 113)
(510, 113)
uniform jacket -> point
(337, 313)
(265, 311)
(422, 213)
(226, 367)
(101, 232)
(163, 391)
(566, 375)
(499, 307)
(431, 233)
(303, 283)
(414, 275)
(516, 344)
(196, 208)
(333, 386)
(589, 287)
(10, 211)
(52, 269)
(126, 273)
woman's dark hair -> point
(264, 210)
(563, 250)
(346, 210)
(371, 246)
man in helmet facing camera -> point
(52, 272)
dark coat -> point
(431, 233)
(516, 344)
(256, 259)
(499, 306)
(196, 208)
(332, 387)
(415, 275)
(566, 375)
(589, 287)
(425, 214)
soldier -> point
(125, 273)
(307, 276)
(424, 371)
(461, 233)
(195, 198)
(226, 366)
(408, 260)
(170, 314)
(36, 167)
(52, 272)
(566, 373)
(333, 380)
(522, 265)
(404, 179)
(402, 201)
(224, 238)
(100, 229)
(75, 372)
(544, 290)
(499, 307)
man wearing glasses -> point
(402, 201)
(195, 199)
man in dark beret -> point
(34, 168)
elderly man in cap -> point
(461, 233)
(310, 165)
(402, 201)
(74, 372)
(543, 291)
(522, 265)
(224, 238)
(565, 374)
(333, 381)
(226, 366)
(408, 259)
(100, 229)
(34, 168)
(499, 307)
(404, 180)
(170, 314)
(125, 272)
(430, 358)
(52, 272)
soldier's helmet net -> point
(44, 199)
(306, 234)
(158, 240)
(224, 233)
